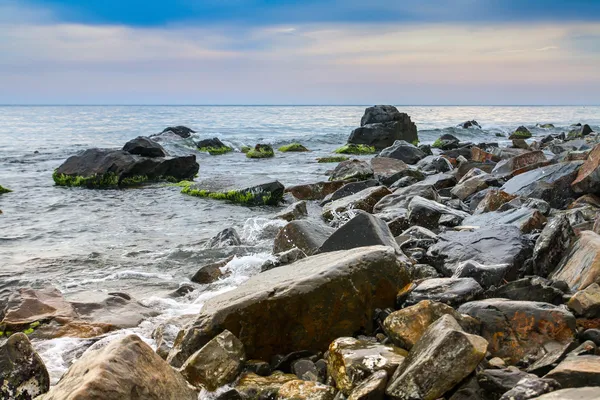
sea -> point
(149, 241)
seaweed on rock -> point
(293, 147)
(215, 151)
(351, 148)
(4, 190)
(261, 151)
(334, 159)
(235, 196)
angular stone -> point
(352, 170)
(23, 374)
(349, 189)
(226, 238)
(406, 326)
(364, 200)
(249, 191)
(252, 386)
(126, 369)
(586, 302)
(519, 163)
(516, 329)
(485, 275)
(401, 197)
(471, 185)
(580, 267)
(293, 212)
(372, 388)
(440, 181)
(362, 230)
(526, 219)
(211, 272)
(531, 288)
(304, 305)
(481, 156)
(427, 213)
(430, 370)
(314, 191)
(588, 177)
(488, 246)
(451, 291)
(550, 360)
(576, 372)
(554, 241)
(303, 390)
(182, 131)
(530, 388)
(493, 200)
(307, 236)
(382, 113)
(217, 363)
(145, 147)
(388, 170)
(584, 393)
(350, 361)
(404, 151)
(496, 382)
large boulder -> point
(381, 113)
(352, 360)
(552, 244)
(440, 359)
(145, 147)
(516, 329)
(306, 235)
(304, 305)
(364, 200)
(126, 369)
(100, 168)
(388, 170)
(23, 374)
(588, 176)
(403, 151)
(352, 170)
(361, 231)
(250, 191)
(381, 126)
(427, 213)
(580, 267)
(504, 244)
(526, 219)
(551, 183)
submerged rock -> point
(253, 192)
(304, 305)
(441, 359)
(261, 151)
(126, 369)
(145, 147)
(23, 374)
(470, 124)
(102, 168)
(404, 151)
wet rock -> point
(217, 363)
(307, 236)
(520, 133)
(521, 163)
(230, 394)
(388, 170)
(404, 151)
(406, 326)
(515, 329)
(285, 258)
(585, 393)
(352, 170)
(429, 371)
(470, 124)
(485, 275)
(23, 374)
(306, 370)
(554, 241)
(579, 131)
(381, 126)
(314, 191)
(592, 335)
(451, 291)
(165, 333)
(481, 156)
(532, 288)
(99, 168)
(381, 113)
(447, 142)
(145, 147)
(214, 143)
(304, 305)
(350, 361)
(586, 302)
(496, 382)
(530, 388)
(550, 360)
(398, 201)
(488, 246)
(226, 238)
(372, 388)
(249, 191)
(427, 213)
(588, 176)
(252, 386)
(362, 230)
(492, 201)
(293, 212)
(526, 219)
(364, 200)
(580, 371)
(551, 183)
(211, 272)
(182, 131)
(435, 164)
(350, 189)
(580, 267)
(303, 390)
(127, 368)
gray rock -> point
(352, 170)
(404, 151)
(226, 238)
(381, 113)
(306, 370)
(530, 388)
(496, 382)
(451, 291)
(550, 247)
(293, 212)
(584, 393)
(145, 147)
(427, 213)
(364, 200)
(372, 388)
(182, 131)
(211, 272)
(485, 275)
(306, 235)
(532, 288)
(349, 189)
(526, 219)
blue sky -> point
(292, 52)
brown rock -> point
(585, 393)
(211, 272)
(304, 390)
(481, 156)
(252, 386)
(587, 177)
(579, 371)
(493, 200)
(26, 306)
(314, 191)
(520, 163)
(586, 303)
(581, 266)
(372, 388)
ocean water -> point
(148, 241)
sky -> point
(404, 52)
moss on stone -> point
(297, 147)
(235, 196)
(415, 142)
(4, 190)
(334, 159)
(437, 144)
(245, 149)
(215, 151)
(109, 180)
(134, 180)
(261, 152)
(351, 148)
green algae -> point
(332, 159)
(106, 181)
(4, 190)
(245, 149)
(261, 152)
(215, 151)
(415, 142)
(235, 196)
(297, 147)
(351, 148)
(134, 180)
(437, 144)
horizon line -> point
(284, 105)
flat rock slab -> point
(304, 305)
(252, 191)
(526, 219)
(585, 393)
(451, 291)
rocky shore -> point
(448, 271)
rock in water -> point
(381, 126)
(252, 191)
(351, 360)
(471, 124)
(442, 358)
(304, 305)
(380, 113)
(516, 329)
(451, 291)
(217, 363)
(145, 147)
(307, 236)
(182, 131)
(23, 374)
(293, 211)
(126, 369)
(580, 267)
(403, 151)
(101, 168)
(226, 238)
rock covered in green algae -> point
(254, 192)
(261, 151)
(356, 149)
(293, 147)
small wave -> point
(259, 229)
(127, 274)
